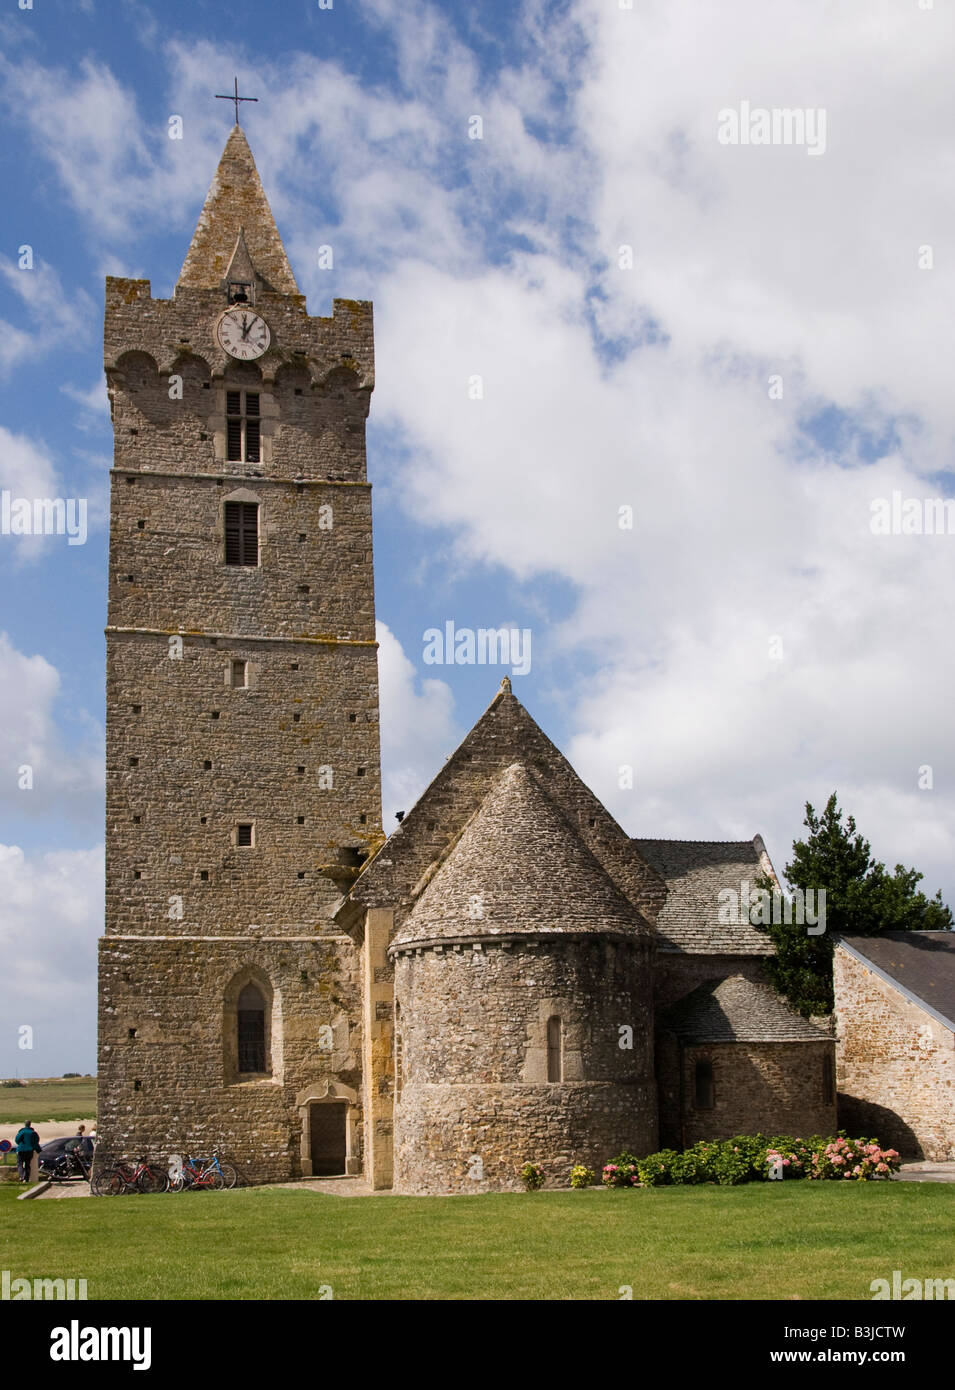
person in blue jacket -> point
(28, 1143)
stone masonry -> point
(289, 746)
(896, 1040)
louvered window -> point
(241, 533)
(242, 426)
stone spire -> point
(236, 218)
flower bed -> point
(754, 1158)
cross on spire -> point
(236, 98)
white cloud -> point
(93, 403)
(750, 262)
(54, 316)
(26, 470)
(66, 780)
(51, 917)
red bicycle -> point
(142, 1176)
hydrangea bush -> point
(750, 1158)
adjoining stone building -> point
(895, 1050)
(277, 981)
(733, 1058)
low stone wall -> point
(767, 1088)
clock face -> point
(243, 333)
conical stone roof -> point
(519, 868)
(235, 203)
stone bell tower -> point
(243, 786)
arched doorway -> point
(330, 1144)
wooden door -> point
(327, 1133)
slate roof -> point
(695, 872)
(920, 963)
(737, 1010)
(528, 867)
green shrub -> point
(582, 1176)
(656, 1170)
(532, 1176)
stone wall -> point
(167, 1076)
(172, 820)
(758, 1087)
(472, 1041)
(896, 1065)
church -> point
(508, 977)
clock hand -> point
(248, 325)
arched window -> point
(250, 1023)
(555, 1058)
(703, 1085)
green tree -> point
(862, 899)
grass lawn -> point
(71, 1099)
(766, 1240)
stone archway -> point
(329, 1114)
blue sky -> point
(605, 386)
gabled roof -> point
(236, 204)
(519, 868)
(696, 871)
(504, 734)
(737, 1010)
(921, 964)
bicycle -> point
(205, 1172)
(123, 1177)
